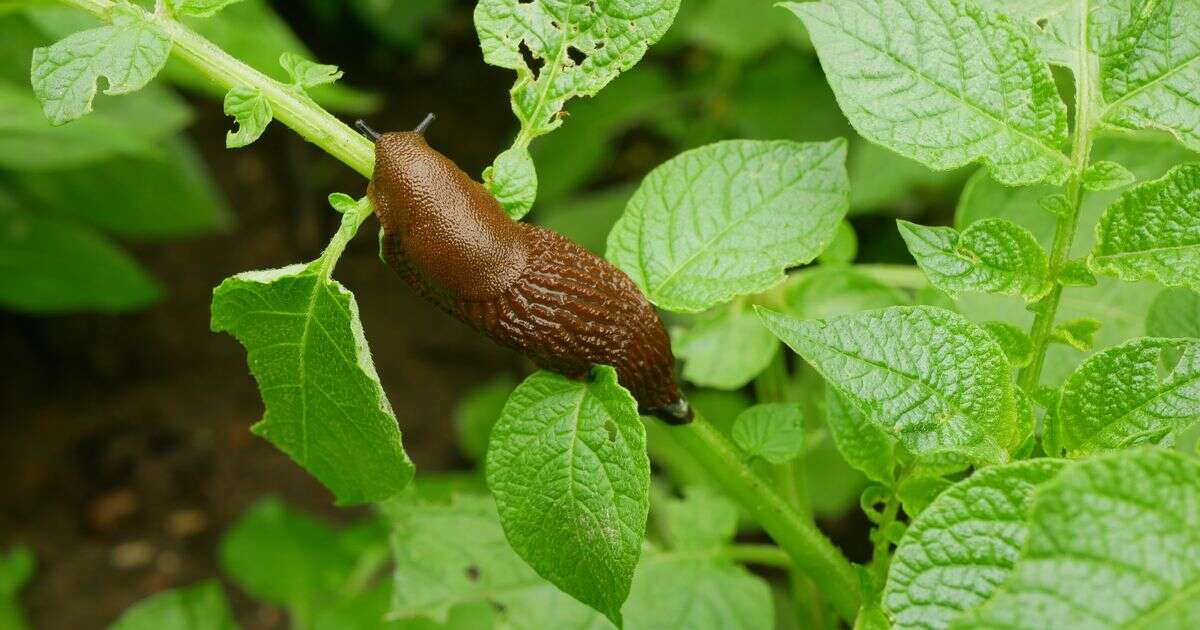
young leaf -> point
(1151, 67)
(576, 47)
(127, 53)
(1105, 549)
(702, 521)
(1106, 175)
(727, 219)
(772, 431)
(1153, 231)
(1017, 345)
(1079, 333)
(199, 8)
(1117, 399)
(1174, 313)
(253, 113)
(892, 65)
(307, 74)
(725, 349)
(990, 256)
(906, 367)
(567, 464)
(668, 586)
(513, 180)
(1075, 273)
(961, 548)
(201, 606)
(325, 406)
(864, 444)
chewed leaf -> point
(127, 53)
(513, 181)
(894, 69)
(1153, 231)
(307, 74)
(990, 256)
(575, 48)
(253, 113)
(905, 367)
(942, 568)
(1111, 544)
(325, 406)
(727, 219)
(568, 467)
(1117, 397)
(199, 8)
(772, 431)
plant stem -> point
(765, 555)
(291, 106)
(810, 550)
(1068, 222)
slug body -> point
(526, 287)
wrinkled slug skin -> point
(524, 286)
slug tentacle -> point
(524, 286)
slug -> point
(524, 286)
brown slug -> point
(526, 287)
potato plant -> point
(1020, 400)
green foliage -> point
(725, 348)
(567, 465)
(199, 8)
(698, 232)
(772, 431)
(864, 444)
(1079, 333)
(198, 607)
(1174, 313)
(1017, 345)
(253, 113)
(16, 569)
(307, 74)
(477, 412)
(513, 181)
(991, 256)
(1105, 175)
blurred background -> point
(124, 442)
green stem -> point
(1068, 222)
(764, 555)
(881, 555)
(810, 550)
(289, 104)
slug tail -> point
(676, 413)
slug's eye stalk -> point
(370, 133)
(420, 129)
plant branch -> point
(291, 106)
(810, 550)
(1068, 223)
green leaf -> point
(513, 181)
(1174, 313)
(844, 247)
(137, 207)
(990, 256)
(253, 113)
(478, 411)
(963, 546)
(683, 591)
(1106, 175)
(917, 493)
(284, 557)
(892, 65)
(307, 74)
(1075, 273)
(198, 607)
(727, 219)
(702, 521)
(567, 464)
(904, 367)
(725, 348)
(127, 53)
(16, 569)
(772, 431)
(1017, 345)
(199, 8)
(1150, 68)
(829, 291)
(325, 406)
(582, 45)
(1106, 549)
(54, 266)
(1117, 398)
(1153, 231)
(864, 444)
(1079, 333)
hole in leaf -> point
(610, 427)
(500, 608)
(577, 56)
(531, 60)
(473, 573)
(599, 45)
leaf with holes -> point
(928, 375)
(325, 406)
(1117, 398)
(990, 256)
(727, 219)
(963, 546)
(127, 53)
(943, 82)
(1111, 544)
(251, 110)
(1153, 231)
(567, 464)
